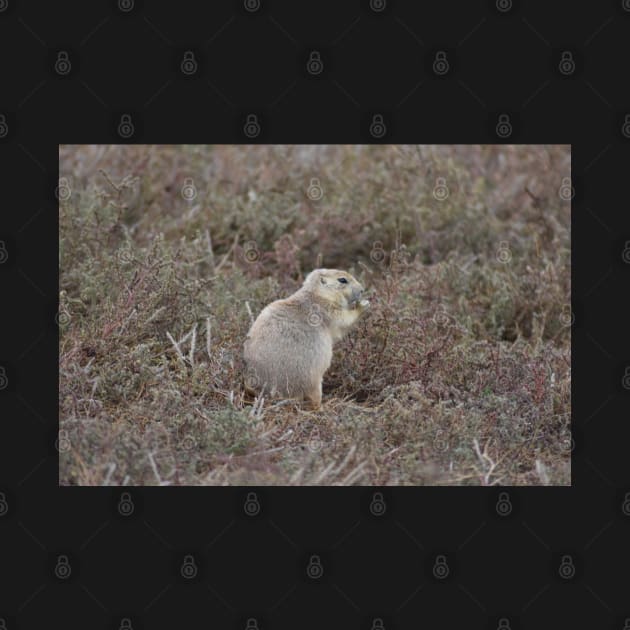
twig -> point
(282, 403)
(249, 311)
(176, 346)
(110, 469)
(210, 252)
(155, 470)
(208, 337)
(347, 458)
(257, 409)
(486, 462)
(297, 476)
(392, 452)
(223, 261)
(362, 264)
(193, 341)
(124, 325)
(202, 414)
(543, 475)
(156, 314)
(353, 475)
(109, 181)
(323, 474)
(269, 450)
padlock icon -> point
(440, 568)
(63, 192)
(314, 65)
(252, 624)
(504, 126)
(189, 63)
(504, 624)
(251, 251)
(378, 624)
(378, 505)
(251, 5)
(4, 506)
(252, 505)
(625, 255)
(625, 128)
(62, 64)
(187, 443)
(377, 127)
(125, 624)
(504, 5)
(566, 192)
(4, 128)
(625, 506)
(4, 381)
(504, 505)
(443, 319)
(126, 5)
(314, 569)
(377, 254)
(566, 569)
(504, 255)
(315, 191)
(3, 623)
(189, 192)
(4, 254)
(440, 63)
(315, 319)
(62, 318)
(440, 191)
(62, 443)
(625, 381)
(62, 568)
(626, 623)
(189, 568)
(378, 5)
(252, 126)
(567, 63)
(125, 505)
(125, 128)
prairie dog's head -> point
(336, 286)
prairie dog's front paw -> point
(362, 306)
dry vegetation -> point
(460, 373)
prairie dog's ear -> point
(322, 279)
(311, 278)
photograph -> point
(315, 315)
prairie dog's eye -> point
(343, 280)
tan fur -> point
(289, 346)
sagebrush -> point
(459, 374)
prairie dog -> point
(289, 346)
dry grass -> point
(460, 374)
